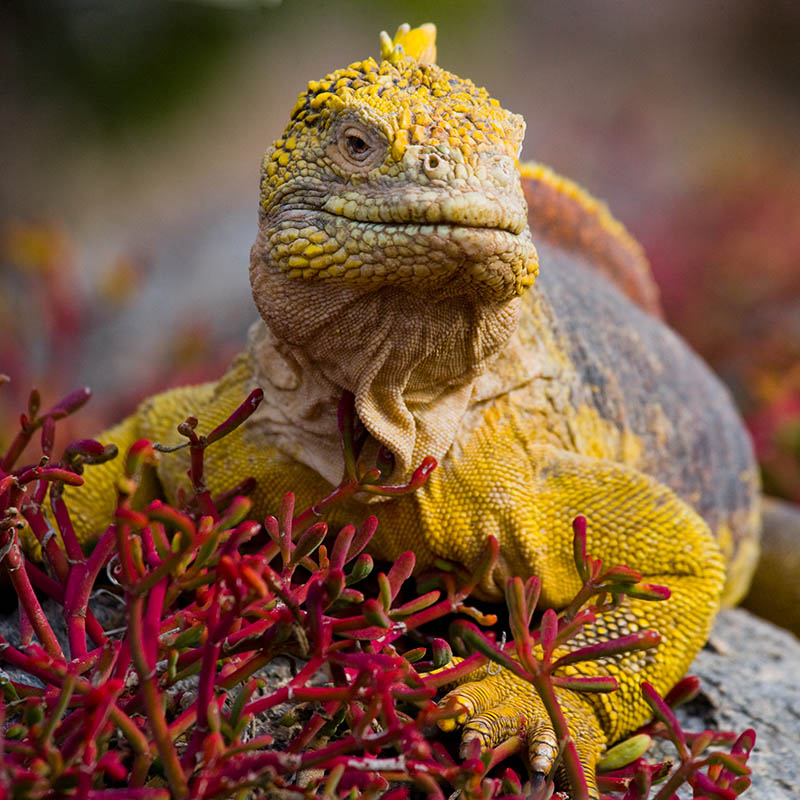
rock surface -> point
(750, 674)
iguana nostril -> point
(434, 166)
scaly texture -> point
(395, 259)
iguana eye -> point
(357, 148)
(356, 145)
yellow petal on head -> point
(418, 43)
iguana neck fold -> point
(410, 360)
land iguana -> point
(516, 342)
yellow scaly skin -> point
(394, 260)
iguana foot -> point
(501, 705)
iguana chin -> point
(397, 258)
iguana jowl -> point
(397, 259)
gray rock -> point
(750, 673)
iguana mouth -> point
(429, 228)
(453, 256)
(459, 211)
(515, 227)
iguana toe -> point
(500, 706)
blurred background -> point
(131, 136)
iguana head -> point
(393, 242)
(397, 172)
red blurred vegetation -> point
(726, 259)
(49, 309)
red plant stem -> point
(159, 535)
(163, 569)
(40, 487)
(97, 718)
(76, 597)
(196, 465)
(17, 446)
(571, 762)
(453, 674)
(52, 674)
(202, 494)
(67, 688)
(244, 769)
(9, 486)
(14, 564)
(26, 631)
(314, 758)
(240, 414)
(51, 588)
(123, 660)
(12, 498)
(287, 692)
(186, 720)
(64, 524)
(344, 490)
(44, 533)
(25, 689)
(151, 624)
(675, 781)
(239, 639)
(317, 757)
(418, 478)
(206, 504)
(45, 671)
(152, 698)
(512, 745)
(70, 733)
(429, 614)
(151, 556)
(44, 582)
(318, 694)
(245, 671)
(313, 727)
(205, 687)
(99, 555)
(252, 632)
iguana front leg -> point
(527, 495)
(501, 705)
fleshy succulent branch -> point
(166, 704)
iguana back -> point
(640, 396)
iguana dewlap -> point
(396, 259)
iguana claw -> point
(497, 707)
